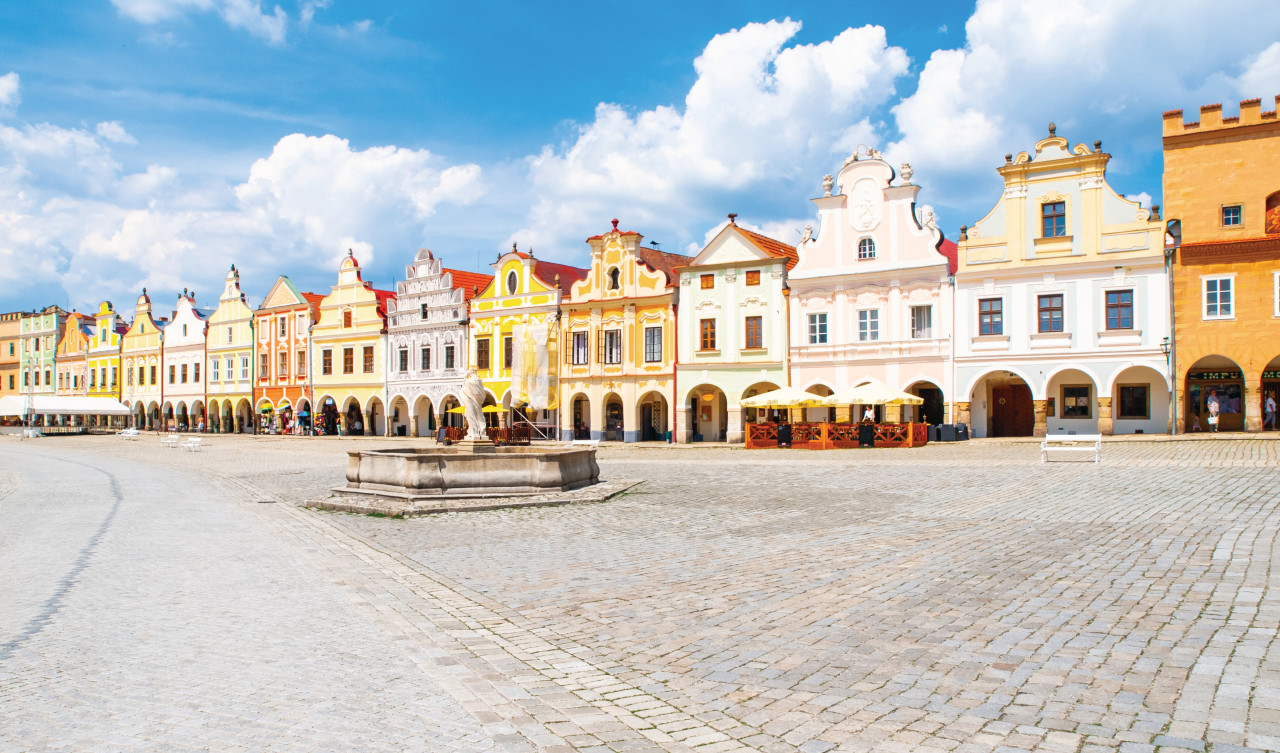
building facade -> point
(141, 354)
(282, 358)
(515, 332)
(229, 349)
(10, 353)
(429, 314)
(71, 360)
(617, 378)
(1222, 182)
(184, 358)
(871, 294)
(1062, 303)
(732, 338)
(349, 357)
(41, 332)
(103, 357)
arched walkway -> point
(1071, 403)
(708, 409)
(1214, 381)
(424, 420)
(821, 414)
(400, 421)
(376, 418)
(167, 418)
(330, 418)
(1139, 401)
(352, 418)
(198, 421)
(1000, 405)
(244, 416)
(303, 416)
(932, 411)
(580, 415)
(1270, 383)
(265, 412)
(614, 423)
(758, 415)
(652, 418)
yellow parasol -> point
(872, 393)
(784, 397)
(486, 409)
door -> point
(646, 422)
(1012, 413)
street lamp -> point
(1165, 346)
(1169, 346)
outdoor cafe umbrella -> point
(784, 397)
(872, 393)
(486, 409)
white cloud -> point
(1143, 198)
(10, 93)
(757, 111)
(113, 131)
(1261, 78)
(238, 14)
(307, 13)
(1099, 68)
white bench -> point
(1091, 443)
(592, 443)
(128, 434)
(170, 440)
(191, 443)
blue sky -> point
(155, 142)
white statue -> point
(808, 234)
(473, 394)
(906, 172)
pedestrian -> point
(869, 415)
(1214, 406)
(1269, 411)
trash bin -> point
(866, 435)
(962, 432)
(668, 437)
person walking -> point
(1269, 411)
(1214, 406)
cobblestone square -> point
(956, 597)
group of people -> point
(1214, 405)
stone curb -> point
(600, 492)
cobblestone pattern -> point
(954, 597)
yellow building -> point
(515, 334)
(229, 351)
(103, 358)
(143, 390)
(617, 376)
(348, 343)
(1222, 183)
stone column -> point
(1105, 425)
(1041, 410)
(961, 411)
(1252, 404)
(734, 433)
(683, 432)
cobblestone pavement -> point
(952, 597)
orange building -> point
(281, 336)
(1222, 182)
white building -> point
(1062, 303)
(428, 314)
(871, 295)
(184, 345)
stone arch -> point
(1001, 404)
(1139, 400)
(1073, 403)
(708, 409)
(933, 410)
(399, 417)
(375, 417)
(448, 403)
(652, 417)
(615, 421)
(1220, 377)
(353, 423)
(422, 418)
(817, 414)
(756, 415)
(579, 417)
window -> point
(153, 376)
(114, 377)
(301, 371)
(579, 348)
(652, 344)
(404, 360)
(482, 353)
(184, 330)
(707, 334)
(755, 332)
(1231, 216)
(614, 275)
(448, 356)
(867, 248)
(868, 325)
(283, 364)
(368, 359)
(1050, 308)
(230, 366)
(1217, 297)
(425, 357)
(244, 367)
(184, 373)
(48, 378)
(26, 379)
(1119, 309)
(142, 375)
(11, 377)
(284, 326)
(991, 316)
(817, 329)
(1076, 401)
(921, 322)
(753, 278)
(348, 360)
(213, 370)
(424, 312)
(1053, 219)
(195, 373)
(506, 352)
(612, 346)
(512, 279)
(173, 370)
(228, 335)
(346, 319)
(708, 281)
(326, 362)
(1135, 401)
(264, 366)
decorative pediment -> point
(283, 293)
(753, 302)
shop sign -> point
(1214, 376)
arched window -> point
(614, 275)
(867, 248)
(1273, 214)
(511, 282)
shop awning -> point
(44, 405)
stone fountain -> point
(471, 468)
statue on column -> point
(473, 395)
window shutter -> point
(599, 346)
(568, 354)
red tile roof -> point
(547, 271)
(662, 261)
(469, 282)
(774, 248)
(951, 251)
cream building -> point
(141, 350)
(184, 342)
(1062, 303)
(229, 350)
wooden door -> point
(1012, 413)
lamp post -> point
(1169, 346)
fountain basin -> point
(410, 473)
